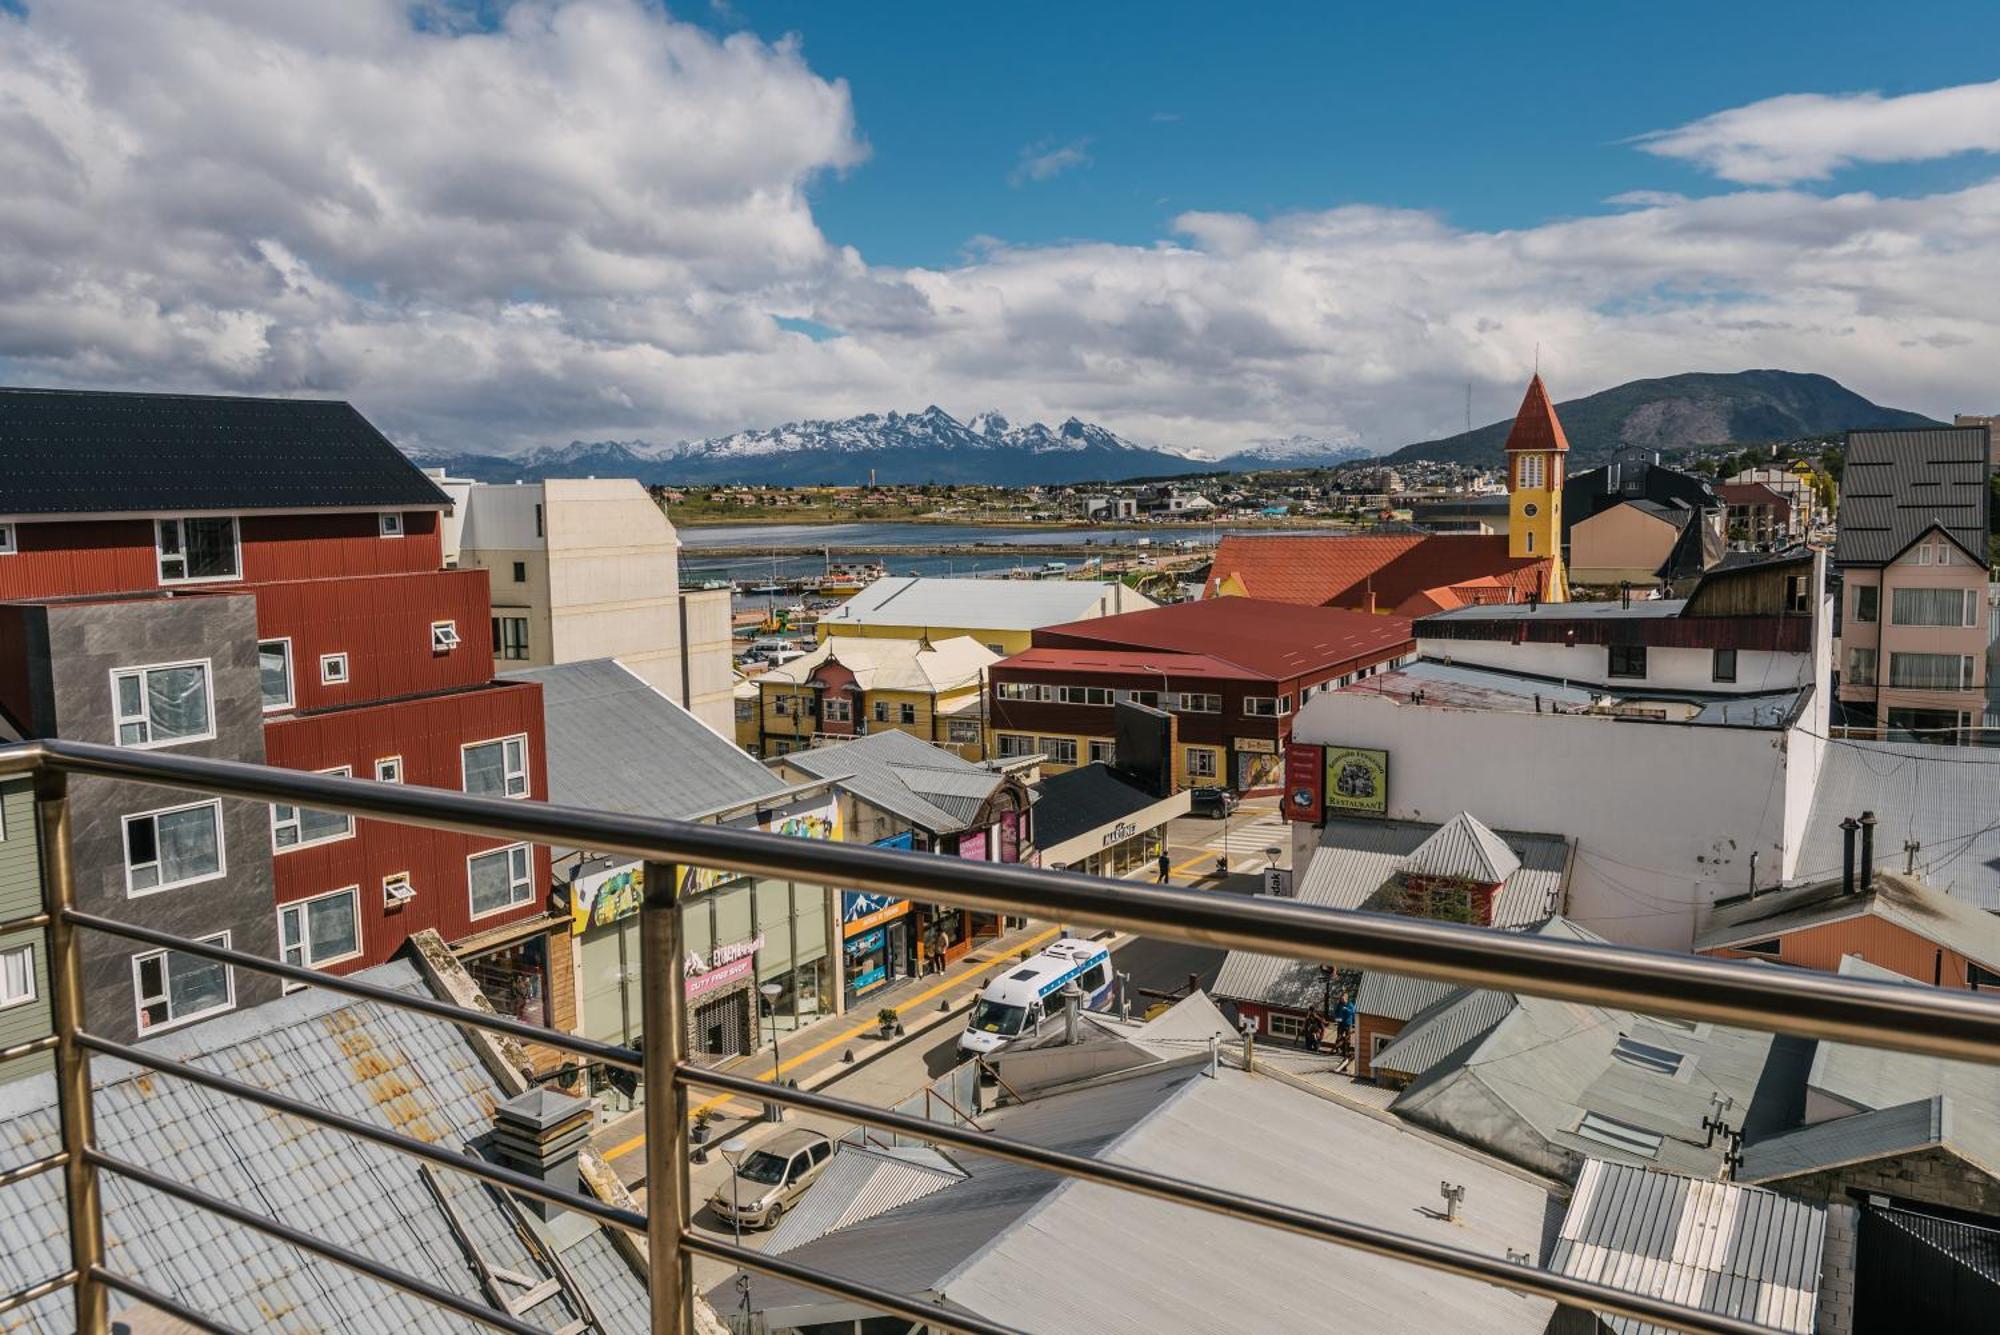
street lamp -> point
(774, 1112)
(732, 1154)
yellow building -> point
(1002, 614)
(852, 685)
(1537, 451)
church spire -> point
(1536, 426)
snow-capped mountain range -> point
(1298, 451)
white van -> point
(1020, 1000)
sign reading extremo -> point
(1357, 780)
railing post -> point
(663, 1001)
(73, 1094)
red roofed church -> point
(1412, 574)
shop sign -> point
(723, 955)
(972, 845)
(604, 898)
(1262, 746)
(814, 820)
(860, 911)
(1305, 779)
(717, 979)
(1119, 833)
(1357, 779)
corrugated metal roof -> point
(1895, 485)
(396, 1069)
(1904, 1129)
(616, 744)
(1464, 847)
(987, 604)
(1392, 996)
(906, 776)
(1902, 900)
(1716, 1246)
(860, 1183)
(889, 663)
(1943, 797)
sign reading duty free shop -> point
(1357, 780)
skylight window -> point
(1635, 1140)
(1647, 1056)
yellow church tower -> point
(1536, 452)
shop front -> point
(877, 938)
(1258, 764)
(1097, 822)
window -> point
(397, 890)
(1059, 750)
(1200, 762)
(17, 976)
(510, 638)
(498, 768)
(1647, 1056)
(1102, 753)
(195, 550)
(998, 649)
(1530, 536)
(962, 732)
(1932, 672)
(1530, 471)
(444, 636)
(300, 827)
(173, 847)
(1266, 706)
(389, 769)
(1867, 601)
(520, 572)
(1284, 1024)
(1934, 607)
(7, 540)
(538, 519)
(1014, 744)
(274, 673)
(881, 711)
(907, 713)
(500, 880)
(837, 710)
(1860, 667)
(1725, 665)
(745, 710)
(1151, 699)
(1977, 977)
(162, 706)
(1198, 703)
(1634, 1140)
(1083, 695)
(1627, 660)
(319, 931)
(332, 669)
(174, 986)
(1768, 946)
(391, 524)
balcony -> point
(96, 1171)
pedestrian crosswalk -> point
(1246, 841)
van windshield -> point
(998, 1017)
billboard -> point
(1305, 782)
(1144, 744)
(1357, 780)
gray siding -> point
(21, 895)
(80, 645)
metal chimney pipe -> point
(1867, 850)
(1072, 1000)
(1847, 829)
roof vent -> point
(539, 1133)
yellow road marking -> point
(621, 1150)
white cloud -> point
(580, 225)
(1042, 160)
(1810, 136)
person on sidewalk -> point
(1315, 1032)
(1343, 1025)
(1166, 866)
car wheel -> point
(771, 1219)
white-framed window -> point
(1266, 706)
(162, 705)
(325, 929)
(500, 879)
(1196, 702)
(173, 847)
(17, 976)
(510, 638)
(1014, 744)
(1934, 607)
(745, 710)
(498, 768)
(397, 889)
(174, 987)
(1023, 690)
(198, 550)
(1102, 753)
(302, 827)
(837, 710)
(1200, 762)
(1530, 472)
(389, 769)
(1284, 1024)
(881, 711)
(1059, 750)
(7, 547)
(444, 636)
(1083, 695)
(332, 669)
(1932, 672)
(961, 732)
(391, 523)
(274, 673)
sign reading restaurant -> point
(1357, 780)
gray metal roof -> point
(861, 1182)
(1943, 797)
(1907, 1128)
(986, 604)
(1071, 1256)
(1642, 609)
(1902, 901)
(1716, 1246)
(1895, 485)
(394, 1068)
(1392, 996)
(1442, 1027)
(617, 744)
(905, 776)
(1356, 866)
(1456, 686)
(1464, 847)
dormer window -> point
(391, 523)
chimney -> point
(539, 1133)
(1072, 1000)
(1368, 602)
(1867, 850)
(1847, 829)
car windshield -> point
(998, 1017)
(763, 1167)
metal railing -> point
(1816, 1005)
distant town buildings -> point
(1000, 614)
(854, 685)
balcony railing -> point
(1933, 1022)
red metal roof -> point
(1339, 571)
(1138, 661)
(1751, 493)
(1536, 426)
(1275, 640)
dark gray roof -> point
(906, 776)
(1716, 1246)
(1080, 800)
(393, 1068)
(1901, 901)
(1906, 1128)
(1895, 485)
(72, 452)
(617, 744)
(1943, 797)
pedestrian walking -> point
(1315, 1031)
(1166, 866)
(1343, 1025)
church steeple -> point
(1536, 447)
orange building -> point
(1894, 922)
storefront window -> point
(515, 978)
